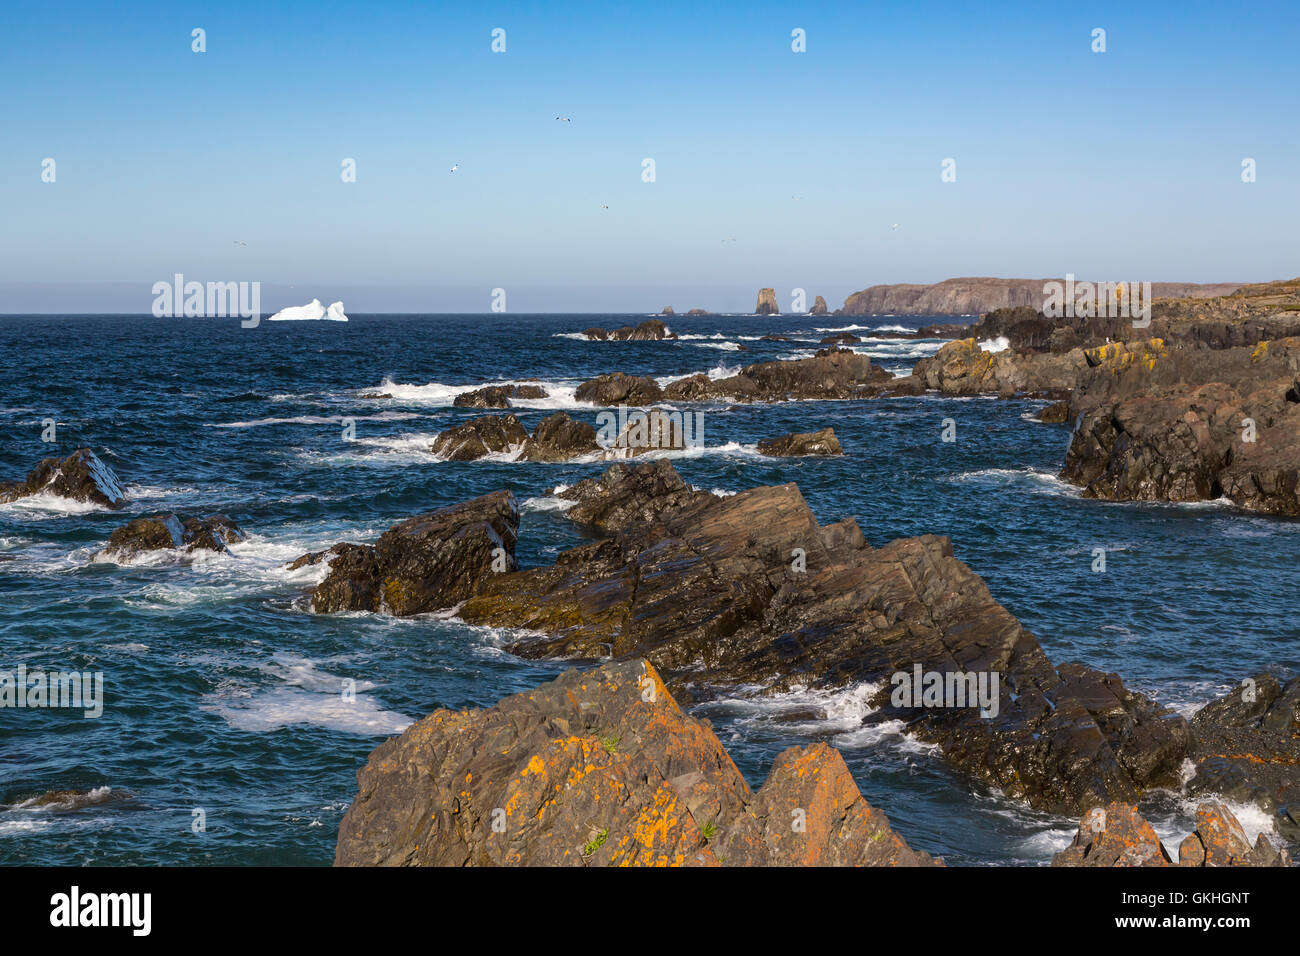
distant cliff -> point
(975, 296)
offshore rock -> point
(556, 438)
(602, 768)
(766, 303)
(819, 307)
(170, 532)
(619, 389)
(796, 444)
(79, 477)
(651, 330)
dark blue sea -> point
(223, 700)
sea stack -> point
(819, 307)
(766, 303)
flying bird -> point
(732, 239)
(240, 242)
(563, 119)
(456, 167)
(604, 205)
(895, 225)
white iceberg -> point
(313, 311)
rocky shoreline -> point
(694, 595)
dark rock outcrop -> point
(767, 303)
(1117, 835)
(619, 389)
(170, 532)
(651, 330)
(79, 477)
(1058, 413)
(841, 338)
(602, 768)
(497, 396)
(1248, 749)
(426, 563)
(749, 590)
(797, 444)
(819, 307)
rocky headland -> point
(973, 296)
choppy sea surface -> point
(223, 701)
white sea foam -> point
(1043, 482)
(1000, 344)
(306, 695)
(318, 420)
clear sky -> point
(1119, 166)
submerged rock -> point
(79, 477)
(170, 532)
(602, 768)
(841, 338)
(796, 444)
(426, 563)
(1117, 835)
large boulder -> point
(602, 768)
(79, 477)
(619, 389)
(426, 563)
(750, 590)
(798, 444)
(1118, 835)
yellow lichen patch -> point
(1260, 351)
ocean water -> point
(223, 700)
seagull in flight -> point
(456, 167)
(240, 242)
(732, 239)
(563, 119)
(895, 226)
(604, 205)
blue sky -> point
(1121, 166)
